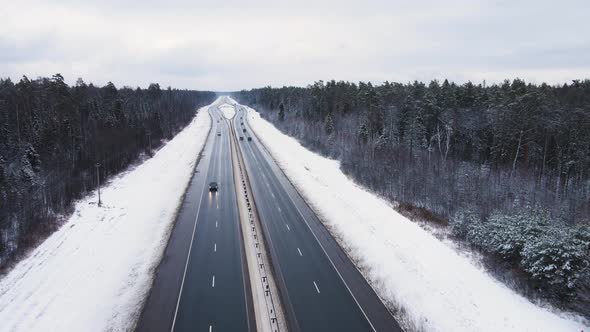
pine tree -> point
(363, 133)
(329, 124)
(281, 112)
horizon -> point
(220, 93)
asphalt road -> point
(321, 288)
(208, 289)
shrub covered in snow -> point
(555, 257)
(558, 258)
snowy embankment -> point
(437, 288)
(94, 273)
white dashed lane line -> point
(288, 228)
(300, 254)
(215, 247)
(316, 287)
(213, 283)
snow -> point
(94, 273)
(228, 110)
(438, 288)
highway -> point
(202, 282)
(321, 289)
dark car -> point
(218, 134)
(241, 138)
(244, 129)
(213, 186)
(242, 123)
(249, 138)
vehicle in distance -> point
(213, 186)
(244, 129)
(249, 138)
(241, 138)
(218, 133)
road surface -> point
(202, 282)
(320, 287)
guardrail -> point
(264, 275)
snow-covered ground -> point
(438, 289)
(94, 273)
(228, 110)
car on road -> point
(249, 138)
(218, 133)
(244, 129)
(213, 186)
(241, 138)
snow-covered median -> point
(93, 273)
(438, 289)
(228, 110)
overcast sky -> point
(229, 45)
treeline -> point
(52, 136)
(504, 166)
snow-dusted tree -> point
(557, 260)
(281, 112)
(329, 124)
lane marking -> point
(215, 247)
(326, 253)
(213, 283)
(288, 228)
(206, 147)
(300, 254)
(215, 223)
(210, 328)
(316, 287)
(279, 208)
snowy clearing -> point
(228, 110)
(439, 289)
(94, 273)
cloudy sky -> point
(229, 44)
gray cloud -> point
(231, 44)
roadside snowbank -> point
(439, 289)
(93, 273)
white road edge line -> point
(300, 254)
(316, 287)
(188, 255)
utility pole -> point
(149, 135)
(98, 181)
